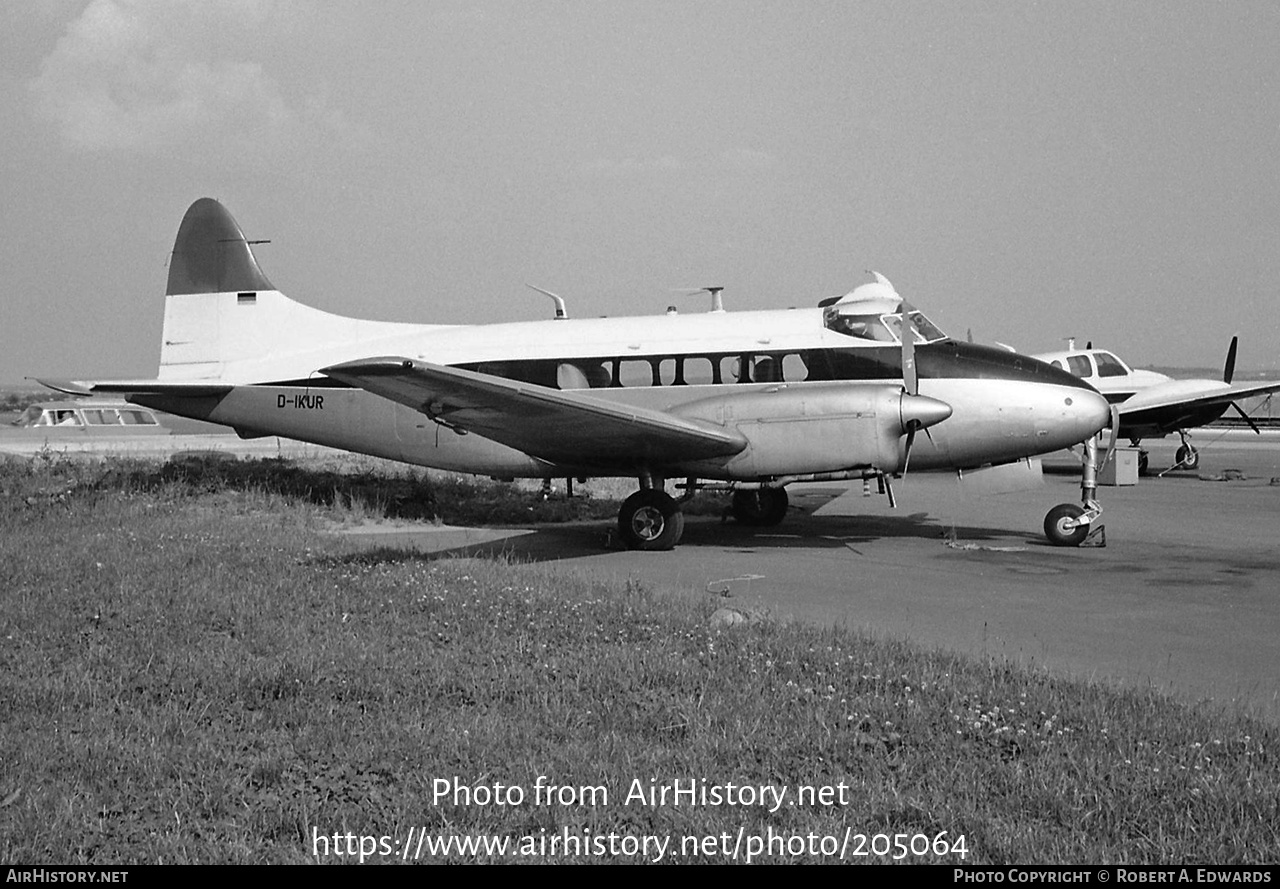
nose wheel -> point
(1070, 524)
(1062, 525)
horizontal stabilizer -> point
(572, 429)
(137, 387)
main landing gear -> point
(764, 507)
(650, 519)
(1186, 457)
(1070, 524)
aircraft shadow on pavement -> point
(586, 539)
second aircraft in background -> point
(1151, 405)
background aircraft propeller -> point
(1229, 371)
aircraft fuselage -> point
(809, 400)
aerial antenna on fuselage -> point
(1071, 343)
(561, 312)
(717, 304)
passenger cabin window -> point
(794, 370)
(666, 372)
(698, 371)
(1109, 365)
(1079, 365)
(584, 375)
(635, 372)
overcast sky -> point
(1028, 170)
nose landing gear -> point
(1071, 524)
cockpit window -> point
(879, 328)
(1109, 365)
(1079, 365)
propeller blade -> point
(910, 380)
(1115, 431)
(906, 451)
(919, 412)
(1229, 370)
(1248, 419)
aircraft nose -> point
(1088, 411)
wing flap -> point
(575, 429)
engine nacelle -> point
(809, 429)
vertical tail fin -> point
(212, 255)
(224, 321)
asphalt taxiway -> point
(1183, 598)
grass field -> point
(191, 672)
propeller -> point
(1248, 419)
(910, 381)
(1115, 432)
(918, 411)
(1229, 371)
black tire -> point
(650, 520)
(1058, 525)
(763, 508)
(1142, 462)
(1187, 457)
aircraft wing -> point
(575, 429)
(1145, 404)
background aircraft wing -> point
(1223, 394)
(576, 429)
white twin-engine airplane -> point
(751, 401)
(1151, 405)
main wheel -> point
(650, 520)
(762, 508)
(1061, 528)
(1187, 457)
